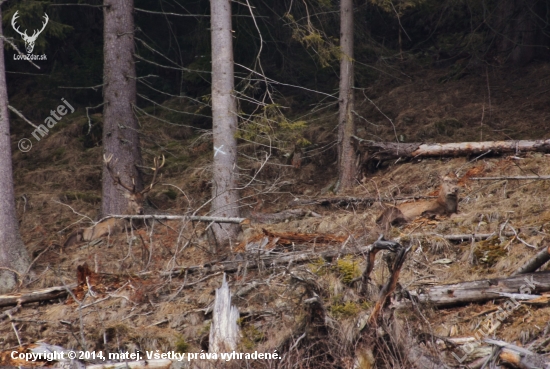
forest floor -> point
(136, 306)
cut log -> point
(391, 150)
(483, 290)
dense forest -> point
(153, 151)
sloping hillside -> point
(146, 296)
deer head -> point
(449, 184)
(448, 192)
(29, 40)
(136, 199)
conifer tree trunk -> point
(13, 254)
(346, 123)
(120, 135)
(224, 120)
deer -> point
(445, 204)
(136, 201)
(29, 40)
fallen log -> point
(483, 290)
(35, 296)
(463, 237)
(347, 200)
(536, 262)
(392, 150)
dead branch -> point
(265, 261)
(370, 256)
(518, 356)
(347, 200)
(463, 237)
(194, 218)
(518, 178)
(391, 283)
(536, 262)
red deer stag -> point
(136, 201)
(445, 204)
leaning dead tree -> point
(371, 150)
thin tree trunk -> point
(13, 254)
(225, 197)
(517, 30)
(346, 123)
(120, 135)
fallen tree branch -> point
(518, 178)
(346, 200)
(193, 218)
(536, 262)
(463, 237)
(267, 261)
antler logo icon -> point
(29, 40)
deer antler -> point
(36, 32)
(155, 170)
(116, 177)
(15, 27)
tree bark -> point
(225, 196)
(346, 123)
(391, 150)
(13, 254)
(120, 128)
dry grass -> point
(59, 172)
